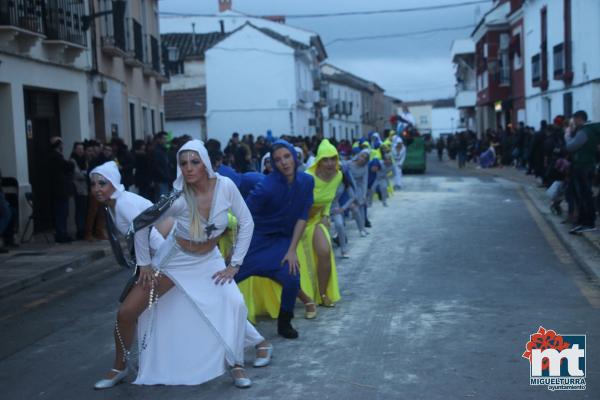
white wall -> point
(194, 76)
(422, 115)
(17, 73)
(586, 59)
(190, 127)
(444, 120)
(251, 87)
(341, 123)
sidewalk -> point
(538, 197)
(32, 263)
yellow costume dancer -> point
(323, 195)
(261, 295)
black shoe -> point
(336, 240)
(66, 239)
(284, 325)
(367, 224)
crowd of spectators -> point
(563, 155)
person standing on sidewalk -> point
(161, 175)
(80, 184)
(60, 172)
(583, 146)
(5, 216)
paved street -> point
(438, 303)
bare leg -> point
(135, 303)
(323, 252)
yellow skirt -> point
(309, 282)
(263, 295)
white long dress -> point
(197, 328)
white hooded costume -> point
(197, 328)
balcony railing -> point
(154, 48)
(63, 21)
(24, 14)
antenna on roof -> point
(194, 37)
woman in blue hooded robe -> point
(279, 205)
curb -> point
(589, 268)
(52, 272)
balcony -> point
(135, 44)
(465, 98)
(65, 38)
(21, 23)
(113, 40)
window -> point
(132, 121)
(536, 70)
(504, 69)
(152, 122)
(559, 60)
(484, 80)
(145, 130)
(423, 120)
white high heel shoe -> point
(260, 362)
(108, 383)
(242, 383)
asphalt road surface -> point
(438, 303)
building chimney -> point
(224, 5)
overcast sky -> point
(410, 68)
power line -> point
(336, 14)
(398, 35)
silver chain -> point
(126, 353)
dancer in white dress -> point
(199, 326)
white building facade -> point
(43, 91)
(343, 96)
(259, 81)
(562, 59)
(463, 58)
(57, 79)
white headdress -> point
(197, 146)
(110, 171)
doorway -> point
(42, 121)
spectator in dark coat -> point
(6, 221)
(161, 175)
(124, 160)
(60, 172)
(142, 178)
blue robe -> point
(245, 182)
(276, 206)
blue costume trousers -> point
(264, 259)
